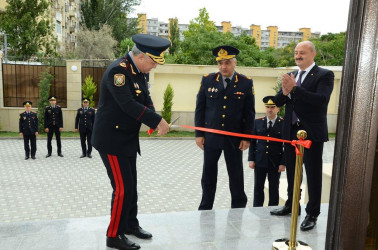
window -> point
(58, 27)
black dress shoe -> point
(48, 155)
(26, 157)
(33, 157)
(139, 232)
(282, 211)
(82, 156)
(309, 223)
(89, 156)
(60, 155)
(121, 242)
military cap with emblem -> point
(269, 101)
(52, 98)
(225, 52)
(85, 99)
(27, 103)
(153, 46)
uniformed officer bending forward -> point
(225, 101)
(28, 128)
(84, 121)
(265, 156)
(124, 104)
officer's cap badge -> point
(119, 80)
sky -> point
(322, 16)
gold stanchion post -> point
(292, 243)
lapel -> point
(264, 129)
(310, 76)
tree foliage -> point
(44, 93)
(126, 45)
(94, 44)
(28, 28)
(330, 49)
(89, 88)
(96, 13)
(174, 36)
(166, 113)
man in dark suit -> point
(267, 157)
(28, 128)
(306, 94)
(84, 121)
(125, 104)
(53, 124)
(225, 101)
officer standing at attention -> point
(53, 124)
(225, 101)
(85, 117)
(28, 128)
(266, 157)
(125, 104)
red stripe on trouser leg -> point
(112, 231)
(121, 193)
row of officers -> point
(53, 124)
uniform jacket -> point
(310, 102)
(231, 109)
(84, 119)
(28, 124)
(53, 117)
(263, 152)
(122, 108)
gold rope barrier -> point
(283, 244)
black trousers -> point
(234, 162)
(85, 138)
(313, 160)
(274, 183)
(33, 144)
(52, 130)
(123, 178)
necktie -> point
(270, 125)
(294, 117)
(227, 80)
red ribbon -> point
(295, 143)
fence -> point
(21, 78)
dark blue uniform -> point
(267, 155)
(28, 125)
(124, 104)
(231, 109)
(53, 121)
(84, 122)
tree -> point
(89, 88)
(166, 113)
(28, 28)
(174, 36)
(94, 44)
(330, 49)
(44, 92)
(126, 45)
(97, 13)
(202, 37)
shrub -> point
(44, 93)
(168, 103)
(89, 88)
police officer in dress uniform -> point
(28, 128)
(266, 157)
(225, 101)
(53, 124)
(125, 104)
(85, 117)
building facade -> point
(271, 37)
